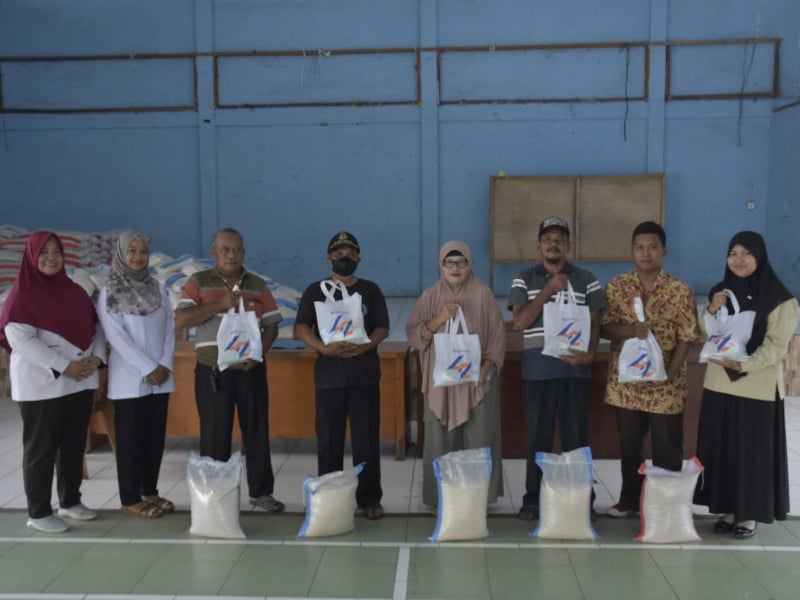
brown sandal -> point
(165, 505)
(143, 509)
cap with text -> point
(550, 222)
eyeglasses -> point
(449, 263)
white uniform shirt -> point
(139, 343)
(36, 353)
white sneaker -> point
(77, 513)
(48, 524)
(621, 511)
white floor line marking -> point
(401, 575)
(408, 545)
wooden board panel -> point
(608, 210)
(518, 205)
(601, 211)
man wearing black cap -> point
(553, 387)
(347, 376)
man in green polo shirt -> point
(206, 297)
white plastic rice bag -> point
(565, 496)
(214, 493)
(463, 478)
(666, 503)
(330, 502)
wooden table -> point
(290, 377)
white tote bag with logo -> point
(567, 325)
(641, 360)
(728, 334)
(238, 337)
(458, 355)
(340, 320)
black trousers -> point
(141, 425)
(54, 435)
(362, 405)
(666, 433)
(247, 392)
(567, 399)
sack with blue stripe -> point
(458, 355)
(641, 360)
(463, 485)
(330, 502)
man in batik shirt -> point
(671, 315)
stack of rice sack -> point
(173, 273)
(84, 254)
(87, 258)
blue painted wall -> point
(412, 173)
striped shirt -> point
(205, 287)
(528, 284)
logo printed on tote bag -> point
(345, 326)
(721, 342)
(644, 365)
(239, 345)
(459, 368)
(572, 335)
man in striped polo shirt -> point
(206, 297)
(552, 386)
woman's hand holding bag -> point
(728, 334)
(458, 355)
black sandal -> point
(744, 533)
(723, 526)
(373, 513)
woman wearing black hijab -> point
(741, 436)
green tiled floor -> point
(389, 559)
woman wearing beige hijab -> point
(464, 416)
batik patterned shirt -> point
(671, 312)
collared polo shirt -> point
(209, 286)
(528, 284)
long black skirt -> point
(742, 445)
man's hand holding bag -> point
(340, 320)
(567, 325)
(239, 338)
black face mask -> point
(345, 266)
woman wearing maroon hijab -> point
(50, 327)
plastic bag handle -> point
(334, 285)
(734, 301)
(454, 322)
(638, 308)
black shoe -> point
(529, 512)
(723, 526)
(744, 533)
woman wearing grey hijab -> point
(138, 322)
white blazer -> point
(139, 343)
(36, 353)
